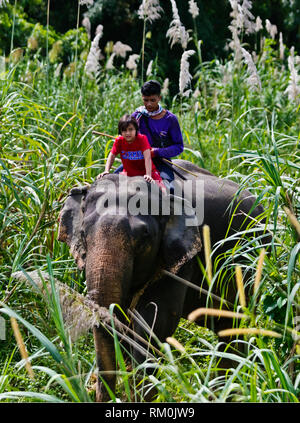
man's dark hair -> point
(151, 88)
(125, 121)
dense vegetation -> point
(240, 120)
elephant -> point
(127, 256)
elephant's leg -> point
(161, 308)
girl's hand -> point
(102, 174)
(149, 179)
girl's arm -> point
(109, 163)
(148, 165)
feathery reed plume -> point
(185, 77)
(121, 49)
(177, 32)
(292, 219)
(258, 24)
(32, 43)
(86, 2)
(21, 345)
(207, 252)
(92, 65)
(176, 344)
(259, 270)
(194, 315)
(249, 331)
(248, 18)
(165, 88)
(272, 29)
(109, 64)
(235, 28)
(196, 93)
(242, 20)
(193, 9)
(293, 88)
(86, 23)
(99, 30)
(240, 285)
(131, 62)
(254, 80)
(281, 46)
(58, 70)
(149, 10)
(149, 68)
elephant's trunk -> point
(108, 274)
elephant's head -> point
(120, 249)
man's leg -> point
(119, 169)
(166, 174)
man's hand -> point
(153, 153)
(100, 176)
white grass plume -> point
(121, 49)
(177, 32)
(86, 23)
(258, 24)
(92, 65)
(3, 3)
(242, 18)
(86, 2)
(248, 19)
(272, 29)
(149, 68)
(150, 10)
(131, 62)
(99, 30)
(110, 62)
(293, 88)
(281, 46)
(193, 9)
(185, 77)
(254, 80)
(165, 88)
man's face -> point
(151, 102)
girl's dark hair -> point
(151, 88)
(125, 121)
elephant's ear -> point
(181, 241)
(70, 222)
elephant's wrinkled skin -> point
(121, 253)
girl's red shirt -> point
(132, 156)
